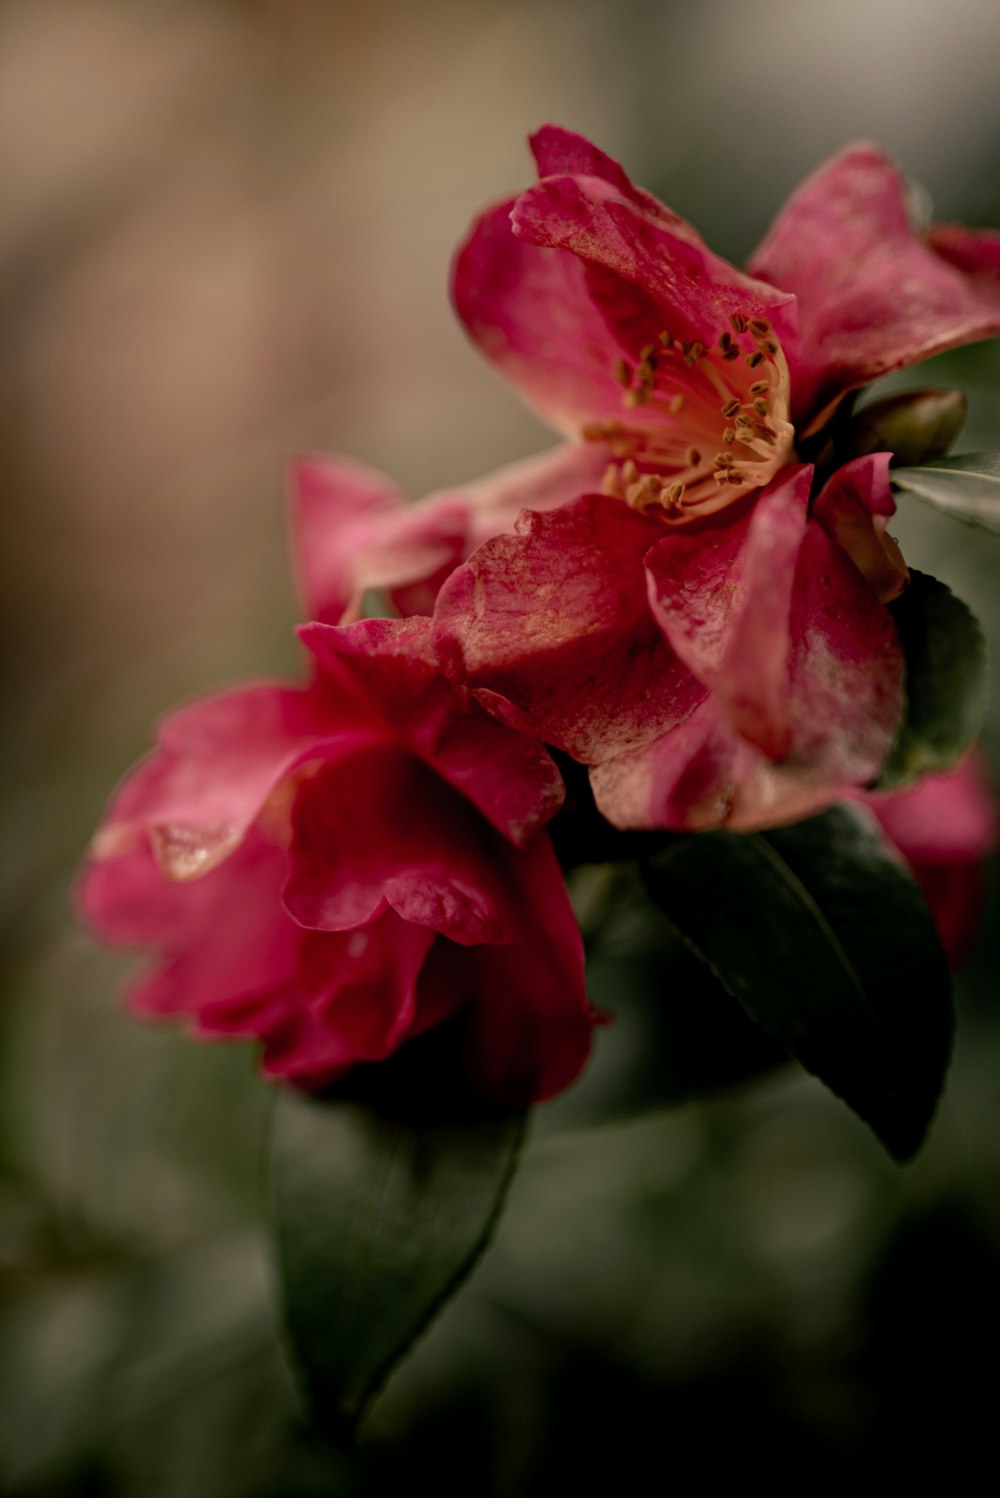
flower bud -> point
(915, 427)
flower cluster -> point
(690, 595)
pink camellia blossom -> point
(708, 634)
(332, 869)
(946, 826)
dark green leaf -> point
(947, 681)
(966, 486)
(823, 935)
(380, 1216)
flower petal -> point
(530, 311)
(703, 775)
(854, 508)
(946, 826)
(381, 830)
(417, 551)
(339, 509)
(844, 698)
(528, 1024)
(223, 938)
(638, 247)
(723, 599)
(367, 1006)
(942, 819)
(387, 664)
(555, 621)
(846, 668)
(218, 761)
(874, 296)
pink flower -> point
(333, 869)
(946, 827)
(706, 634)
(585, 283)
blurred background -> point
(225, 227)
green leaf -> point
(380, 1215)
(822, 934)
(966, 486)
(947, 681)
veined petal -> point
(555, 621)
(874, 294)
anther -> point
(622, 373)
(731, 353)
(738, 323)
(732, 477)
(677, 404)
(759, 326)
(600, 431)
(629, 471)
(731, 407)
(767, 345)
(761, 407)
(692, 457)
(725, 341)
(611, 484)
(760, 387)
(647, 491)
(723, 460)
(728, 435)
(692, 351)
(666, 339)
(673, 493)
(755, 360)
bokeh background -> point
(224, 237)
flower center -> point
(707, 424)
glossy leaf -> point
(947, 681)
(966, 486)
(380, 1215)
(822, 934)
